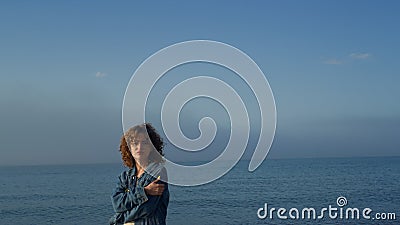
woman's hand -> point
(153, 188)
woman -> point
(140, 197)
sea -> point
(280, 191)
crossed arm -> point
(138, 202)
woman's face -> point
(141, 147)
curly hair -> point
(155, 139)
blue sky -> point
(64, 66)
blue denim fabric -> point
(130, 202)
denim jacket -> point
(130, 202)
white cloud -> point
(100, 74)
(354, 55)
(360, 55)
(333, 62)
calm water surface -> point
(80, 194)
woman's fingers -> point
(159, 188)
(156, 180)
(154, 188)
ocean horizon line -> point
(194, 162)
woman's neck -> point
(140, 169)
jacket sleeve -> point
(149, 206)
(146, 209)
(124, 198)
